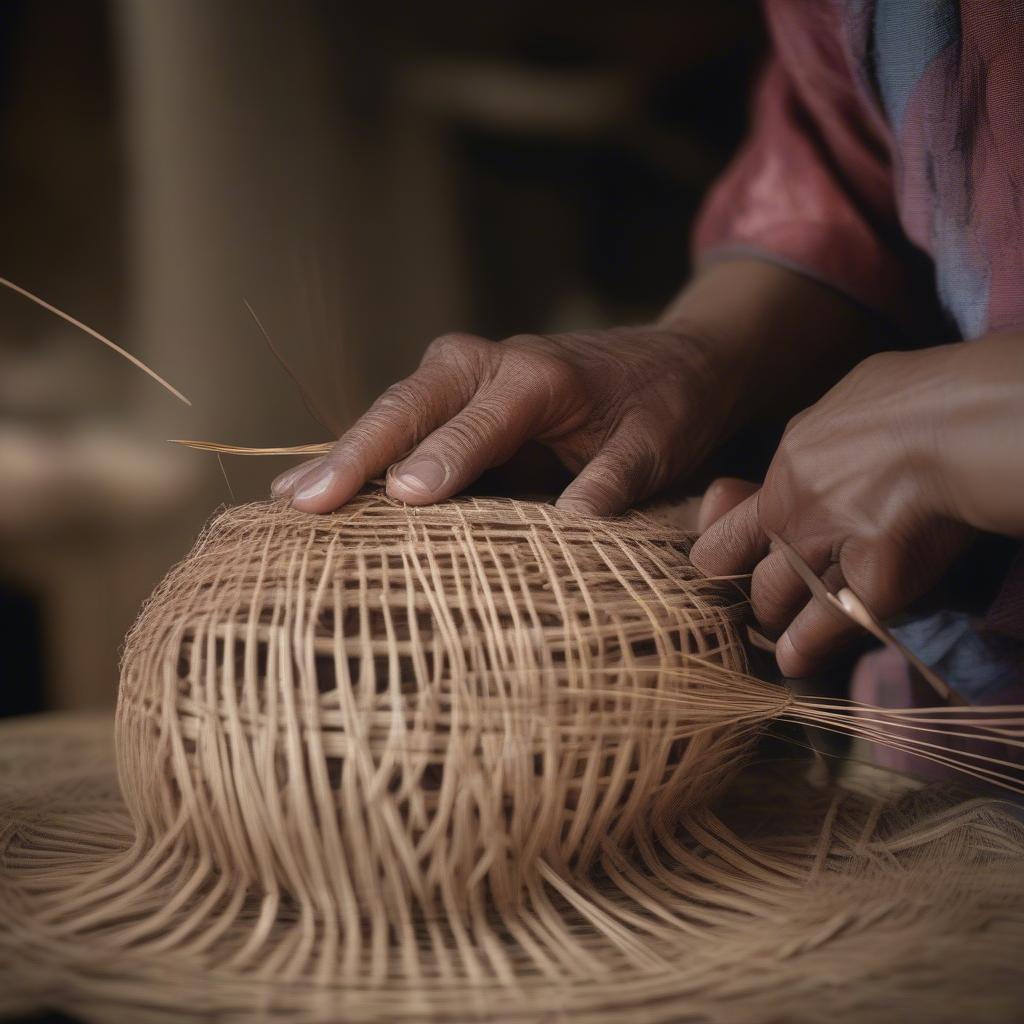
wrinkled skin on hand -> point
(627, 410)
(858, 488)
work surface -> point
(879, 920)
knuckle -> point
(403, 401)
(876, 362)
(530, 354)
(794, 422)
(655, 429)
(452, 445)
(479, 435)
(405, 406)
(560, 381)
(638, 461)
(804, 646)
(814, 639)
(459, 363)
(455, 344)
(635, 448)
(770, 598)
(548, 380)
(718, 490)
(484, 421)
(794, 439)
(791, 483)
(877, 574)
(357, 444)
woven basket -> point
(418, 710)
(457, 764)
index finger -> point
(393, 425)
(734, 543)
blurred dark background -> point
(367, 176)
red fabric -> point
(812, 187)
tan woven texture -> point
(473, 762)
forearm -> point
(979, 438)
(779, 338)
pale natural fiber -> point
(458, 763)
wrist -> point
(716, 376)
(783, 338)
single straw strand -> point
(134, 360)
(234, 449)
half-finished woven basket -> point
(421, 712)
(457, 762)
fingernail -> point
(314, 484)
(290, 477)
(422, 476)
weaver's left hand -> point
(859, 489)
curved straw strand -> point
(234, 449)
(134, 360)
(307, 398)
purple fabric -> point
(883, 679)
(886, 157)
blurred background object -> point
(365, 176)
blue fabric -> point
(946, 76)
(908, 36)
(962, 282)
(977, 664)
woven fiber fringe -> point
(475, 761)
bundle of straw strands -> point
(485, 761)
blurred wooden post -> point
(239, 168)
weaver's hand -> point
(627, 410)
(859, 487)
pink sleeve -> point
(812, 186)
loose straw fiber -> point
(458, 763)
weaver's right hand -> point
(627, 410)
